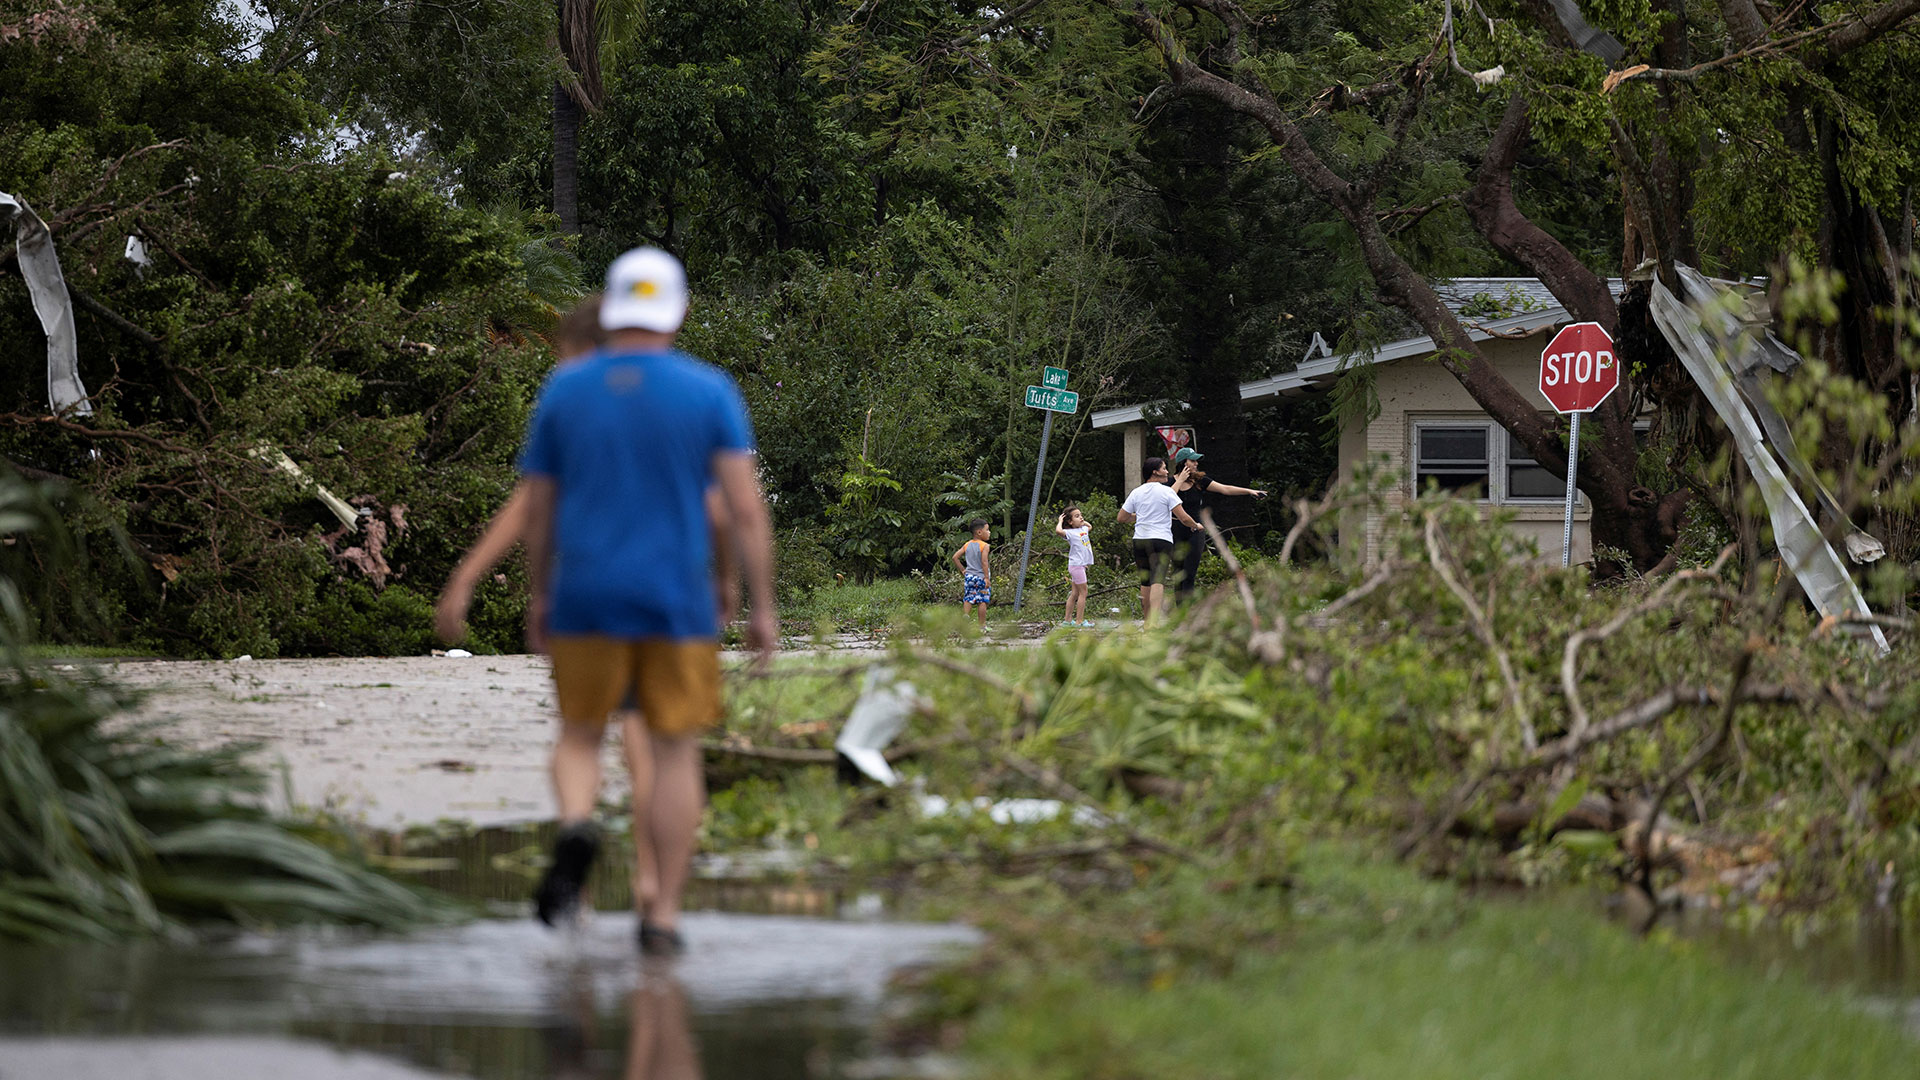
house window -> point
(1526, 478)
(1454, 458)
(1482, 460)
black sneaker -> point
(660, 941)
(558, 896)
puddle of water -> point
(1874, 956)
(757, 995)
(500, 866)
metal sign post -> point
(1052, 398)
(1033, 508)
(1573, 462)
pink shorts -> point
(1077, 575)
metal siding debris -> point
(40, 265)
(1714, 346)
(277, 458)
(880, 714)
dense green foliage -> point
(350, 266)
(893, 218)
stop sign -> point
(1578, 368)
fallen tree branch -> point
(1643, 848)
(1050, 782)
(1324, 617)
(1642, 72)
(1063, 851)
(1638, 715)
(1304, 515)
(1484, 629)
(1569, 659)
(813, 755)
(1029, 708)
(1268, 646)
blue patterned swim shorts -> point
(976, 591)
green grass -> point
(845, 607)
(90, 652)
(1517, 991)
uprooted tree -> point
(1741, 134)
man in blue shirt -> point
(619, 456)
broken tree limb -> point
(1045, 854)
(1640, 714)
(1570, 657)
(1305, 514)
(1050, 782)
(808, 755)
(1029, 708)
(1706, 749)
(1352, 596)
(1483, 627)
(1268, 646)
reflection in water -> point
(758, 997)
(659, 1036)
(659, 1039)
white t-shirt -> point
(1079, 552)
(1151, 505)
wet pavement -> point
(779, 981)
(763, 996)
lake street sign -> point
(1040, 397)
(1053, 397)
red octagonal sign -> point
(1578, 369)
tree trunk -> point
(566, 159)
(1194, 158)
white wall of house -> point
(1416, 396)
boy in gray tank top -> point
(976, 570)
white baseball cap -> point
(646, 290)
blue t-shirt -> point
(629, 439)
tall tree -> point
(576, 91)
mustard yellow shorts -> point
(677, 683)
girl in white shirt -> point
(1079, 556)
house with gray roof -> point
(1428, 429)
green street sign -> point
(1040, 397)
(1055, 378)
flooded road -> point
(762, 996)
(779, 981)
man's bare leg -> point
(679, 796)
(576, 771)
(576, 786)
(1154, 594)
(639, 748)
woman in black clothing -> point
(1194, 487)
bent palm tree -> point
(587, 29)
